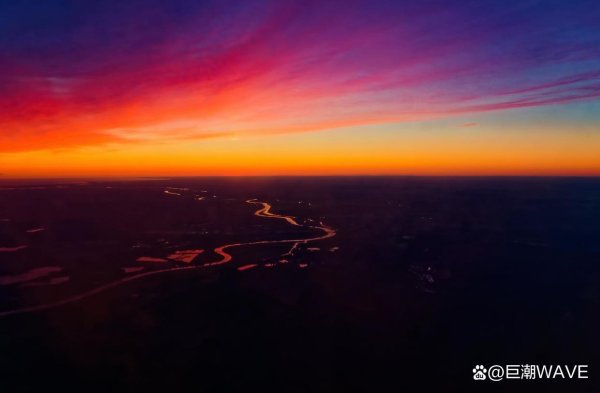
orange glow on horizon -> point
(338, 152)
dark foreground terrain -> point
(326, 284)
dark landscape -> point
(402, 283)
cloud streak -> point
(133, 72)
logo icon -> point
(479, 373)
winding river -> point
(264, 211)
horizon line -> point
(174, 177)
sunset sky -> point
(277, 87)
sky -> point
(278, 87)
